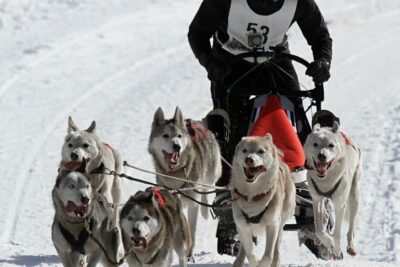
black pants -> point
(234, 97)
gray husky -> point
(264, 195)
(187, 150)
(153, 225)
(78, 206)
(81, 144)
(334, 172)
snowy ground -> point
(116, 61)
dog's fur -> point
(152, 230)
(260, 182)
(76, 202)
(176, 152)
(330, 159)
(81, 144)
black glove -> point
(319, 71)
(217, 70)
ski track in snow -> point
(32, 156)
(149, 73)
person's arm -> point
(207, 20)
(314, 29)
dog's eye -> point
(165, 135)
(87, 186)
(146, 218)
(331, 145)
(85, 145)
(70, 145)
(315, 145)
(179, 136)
(261, 151)
(71, 186)
(244, 150)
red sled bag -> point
(273, 119)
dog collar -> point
(330, 192)
(251, 199)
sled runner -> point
(266, 111)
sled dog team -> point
(90, 226)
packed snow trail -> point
(117, 61)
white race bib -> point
(243, 21)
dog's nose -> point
(249, 161)
(136, 231)
(321, 157)
(74, 156)
(84, 200)
(176, 147)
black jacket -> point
(212, 16)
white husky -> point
(335, 169)
(84, 144)
(264, 195)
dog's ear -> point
(158, 117)
(91, 128)
(268, 136)
(178, 117)
(239, 145)
(71, 125)
(317, 127)
(82, 167)
(335, 127)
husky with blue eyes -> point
(80, 144)
(153, 226)
(78, 208)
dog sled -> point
(292, 103)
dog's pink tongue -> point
(322, 168)
(72, 165)
(167, 158)
(81, 209)
(71, 206)
(141, 241)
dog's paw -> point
(351, 251)
(190, 259)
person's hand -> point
(319, 71)
(217, 70)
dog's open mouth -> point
(322, 167)
(72, 165)
(139, 242)
(171, 159)
(78, 210)
(252, 172)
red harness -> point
(110, 147)
(346, 139)
(157, 194)
(192, 127)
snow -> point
(116, 61)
